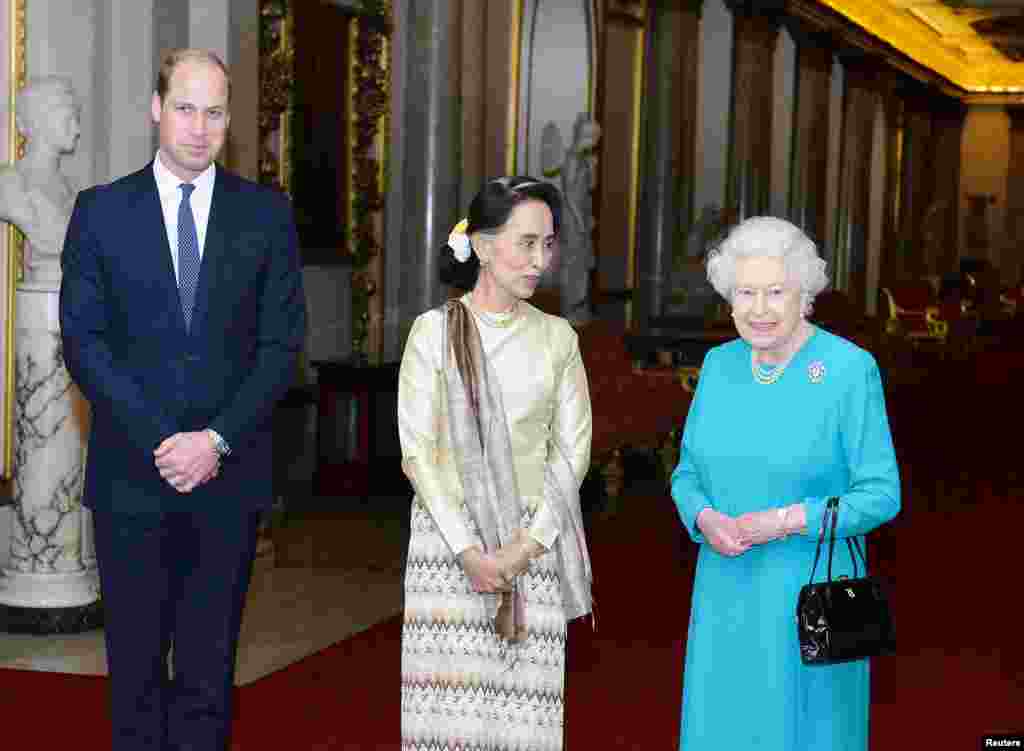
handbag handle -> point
(826, 517)
(828, 522)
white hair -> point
(768, 236)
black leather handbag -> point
(842, 619)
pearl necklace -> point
(497, 320)
(766, 375)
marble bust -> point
(35, 195)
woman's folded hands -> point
(494, 572)
(734, 536)
(514, 557)
(722, 532)
(759, 527)
(483, 569)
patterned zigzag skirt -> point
(458, 689)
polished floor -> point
(337, 570)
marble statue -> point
(576, 241)
(50, 584)
(552, 151)
(34, 195)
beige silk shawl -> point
(483, 454)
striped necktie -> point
(188, 254)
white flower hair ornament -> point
(458, 241)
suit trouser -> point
(173, 578)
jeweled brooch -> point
(816, 371)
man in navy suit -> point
(182, 314)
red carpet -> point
(951, 555)
(959, 673)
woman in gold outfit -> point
(495, 424)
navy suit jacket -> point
(145, 375)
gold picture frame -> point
(12, 28)
(276, 60)
(367, 86)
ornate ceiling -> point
(978, 45)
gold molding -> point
(512, 123)
(371, 105)
(639, 59)
(594, 8)
(17, 54)
(12, 258)
(276, 74)
(285, 138)
(384, 126)
(351, 93)
(375, 268)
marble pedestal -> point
(51, 583)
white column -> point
(231, 28)
(209, 25)
(125, 72)
(48, 585)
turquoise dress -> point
(821, 430)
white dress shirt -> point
(170, 198)
(167, 185)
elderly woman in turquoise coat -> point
(784, 417)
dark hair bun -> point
(455, 273)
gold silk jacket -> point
(545, 395)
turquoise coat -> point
(821, 430)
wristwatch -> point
(222, 447)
